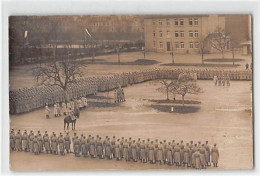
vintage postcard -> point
(130, 92)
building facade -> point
(180, 33)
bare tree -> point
(165, 87)
(187, 85)
(219, 40)
(174, 87)
(60, 72)
(202, 46)
(233, 45)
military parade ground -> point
(221, 114)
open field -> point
(222, 116)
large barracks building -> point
(180, 33)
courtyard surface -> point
(222, 116)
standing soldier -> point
(99, 148)
(151, 153)
(73, 138)
(142, 152)
(207, 153)
(64, 108)
(117, 150)
(138, 148)
(92, 148)
(76, 144)
(67, 142)
(61, 144)
(35, 145)
(203, 157)
(12, 140)
(121, 147)
(186, 155)
(39, 137)
(156, 150)
(147, 149)
(169, 154)
(160, 153)
(113, 146)
(181, 147)
(134, 151)
(197, 159)
(177, 155)
(125, 150)
(83, 146)
(115, 96)
(214, 155)
(47, 111)
(18, 140)
(108, 149)
(25, 141)
(55, 110)
(31, 138)
(54, 142)
(46, 141)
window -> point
(153, 22)
(154, 44)
(182, 44)
(161, 44)
(196, 34)
(181, 22)
(160, 22)
(181, 33)
(177, 45)
(154, 34)
(190, 33)
(197, 45)
(176, 22)
(167, 22)
(160, 33)
(190, 21)
(176, 34)
(196, 21)
(191, 45)
(168, 34)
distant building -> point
(180, 33)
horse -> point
(68, 119)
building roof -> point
(172, 16)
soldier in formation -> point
(197, 156)
(29, 99)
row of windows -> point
(178, 22)
(180, 45)
(178, 34)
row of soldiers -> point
(221, 80)
(65, 108)
(198, 155)
(28, 99)
(119, 95)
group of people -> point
(67, 108)
(196, 155)
(29, 99)
(221, 80)
(119, 95)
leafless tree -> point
(165, 87)
(60, 72)
(203, 45)
(219, 40)
(174, 88)
(187, 85)
(233, 45)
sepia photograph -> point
(130, 92)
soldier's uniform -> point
(67, 141)
(25, 141)
(61, 144)
(46, 141)
(214, 155)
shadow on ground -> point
(176, 101)
(223, 60)
(177, 109)
(200, 65)
(136, 62)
